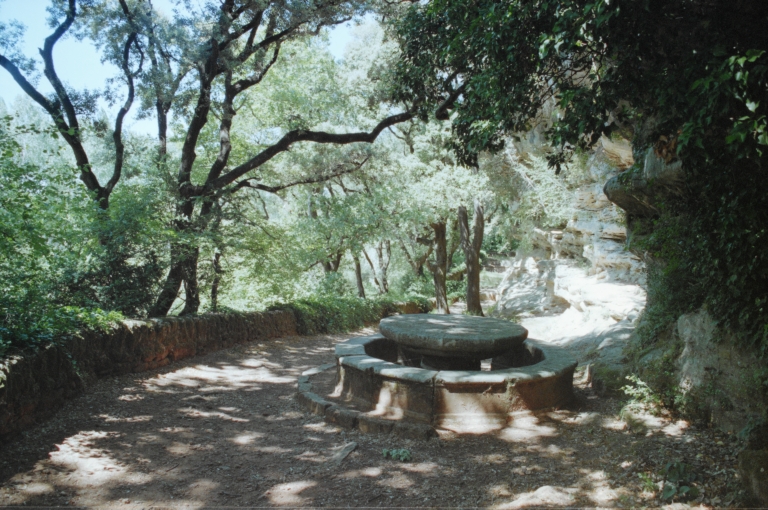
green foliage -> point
(32, 329)
(678, 481)
(64, 263)
(457, 289)
(401, 454)
(671, 293)
(123, 268)
(418, 285)
(715, 258)
(647, 482)
(497, 243)
(642, 397)
(688, 78)
(333, 314)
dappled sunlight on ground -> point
(223, 378)
(526, 428)
(289, 494)
(224, 430)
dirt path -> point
(224, 430)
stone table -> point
(451, 342)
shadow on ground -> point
(224, 430)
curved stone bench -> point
(367, 373)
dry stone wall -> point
(35, 385)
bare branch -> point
(50, 72)
(300, 135)
(117, 136)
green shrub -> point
(401, 454)
(329, 314)
(711, 250)
(457, 289)
(418, 285)
(35, 327)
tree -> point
(68, 107)
(471, 243)
(686, 80)
(201, 64)
(428, 188)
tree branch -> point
(309, 180)
(300, 135)
(117, 136)
(69, 130)
(50, 72)
(442, 111)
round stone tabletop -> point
(453, 335)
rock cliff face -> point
(579, 286)
(640, 192)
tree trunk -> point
(416, 263)
(183, 269)
(454, 244)
(439, 268)
(373, 270)
(216, 282)
(359, 277)
(191, 287)
(172, 283)
(471, 247)
(384, 252)
(331, 265)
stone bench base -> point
(462, 401)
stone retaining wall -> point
(35, 385)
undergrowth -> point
(329, 314)
(52, 325)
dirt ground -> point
(224, 430)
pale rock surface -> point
(528, 287)
(580, 287)
(715, 368)
(619, 152)
(620, 301)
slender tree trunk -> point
(359, 277)
(216, 282)
(454, 244)
(471, 246)
(439, 268)
(183, 269)
(417, 268)
(384, 252)
(373, 270)
(407, 254)
(331, 265)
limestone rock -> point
(753, 466)
(618, 151)
(528, 288)
(589, 335)
(620, 301)
(711, 369)
(639, 192)
(580, 287)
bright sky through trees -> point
(78, 62)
